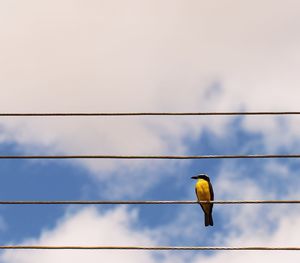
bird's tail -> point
(208, 219)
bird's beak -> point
(194, 177)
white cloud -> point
(256, 225)
(88, 227)
(285, 234)
(145, 56)
(151, 56)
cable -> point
(146, 248)
(151, 202)
(111, 114)
(97, 156)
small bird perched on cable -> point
(204, 192)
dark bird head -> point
(201, 176)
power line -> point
(97, 156)
(146, 248)
(147, 202)
(112, 114)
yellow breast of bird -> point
(202, 190)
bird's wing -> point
(211, 196)
(211, 192)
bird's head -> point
(201, 176)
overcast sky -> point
(149, 55)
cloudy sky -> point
(150, 55)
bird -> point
(204, 192)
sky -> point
(130, 55)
